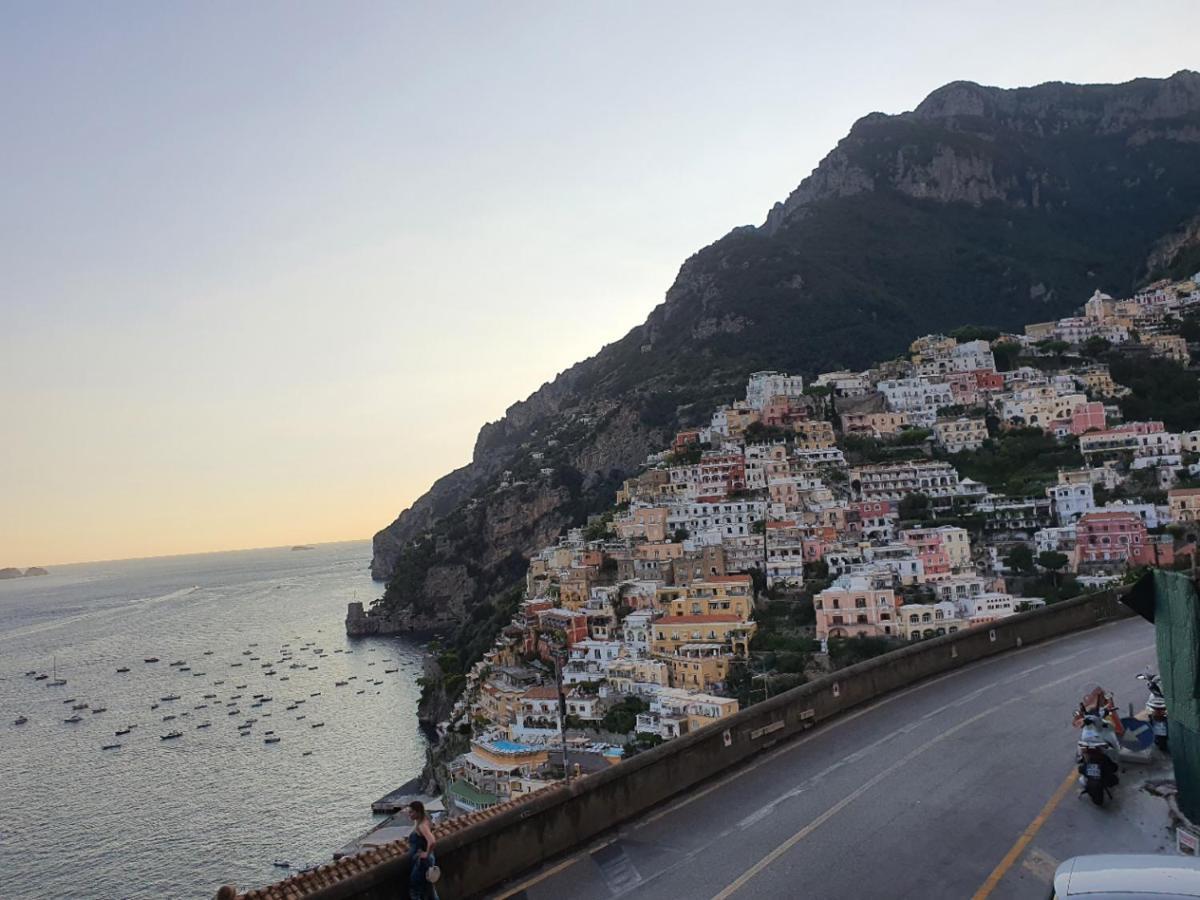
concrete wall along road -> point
(516, 838)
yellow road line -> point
(1026, 836)
(820, 820)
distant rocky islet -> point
(31, 572)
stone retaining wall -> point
(492, 847)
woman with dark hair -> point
(420, 852)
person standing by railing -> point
(420, 854)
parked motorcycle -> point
(1156, 710)
(1098, 745)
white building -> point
(730, 518)
(1070, 501)
(765, 386)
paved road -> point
(922, 794)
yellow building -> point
(671, 633)
(1185, 505)
(716, 595)
(876, 424)
(698, 666)
(814, 435)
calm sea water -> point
(177, 818)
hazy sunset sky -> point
(265, 268)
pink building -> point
(1088, 417)
(855, 605)
(1115, 536)
(935, 559)
(987, 380)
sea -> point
(177, 818)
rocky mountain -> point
(982, 205)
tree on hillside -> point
(1020, 559)
(1053, 562)
(1096, 346)
(914, 506)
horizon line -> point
(84, 562)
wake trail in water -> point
(137, 604)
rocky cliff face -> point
(981, 205)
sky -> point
(266, 268)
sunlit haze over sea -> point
(177, 818)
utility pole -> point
(562, 712)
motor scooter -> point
(1098, 745)
(1156, 710)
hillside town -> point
(812, 524)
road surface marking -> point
(1041, 866)
(820, 820)
(1023, 841)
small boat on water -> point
(246, 653)
(123, 731)
(171, 736)
(169, 697)
(268, 732)
(301, 718)
(239, 687)
(99, 709)
(154, 706)
(340, 683)
(306, 753)
(110, 747)
(269, 672)
(234, 665)
(73, 719)
(204, 725)
(363, 691)
(20, 720)
(235, 696)
(271, 740)
(185, 668)
(283, 677)
(318, 725)
(122, 670)
(199, 674)
(31, 673)
(150, 659)
(69, 700)
(79, 706)
(218, 683)
(233, 712)
(282, 864)
(263, 698)
(40, 677)
(243, 734)
(169, 718)
(178, 662)
(312, 668)
(210, 696)
(208, 653)
(315, 694)
(390, 671)
(200, 706)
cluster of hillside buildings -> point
(650, 607)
